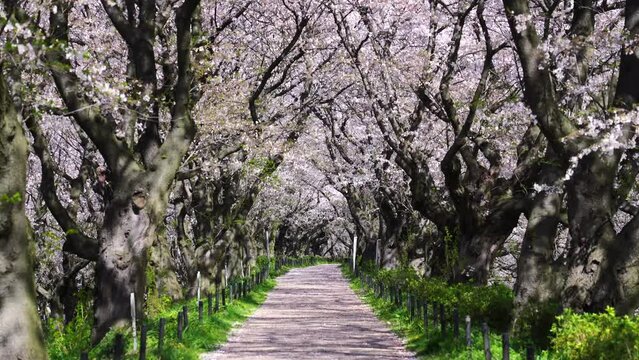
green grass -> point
(198, 337)
(429, 344)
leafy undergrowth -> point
(595, 336)
(430, 344)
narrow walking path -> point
(312, 314)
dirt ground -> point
(312, 314)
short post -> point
(135, 337)
(224, 297)
(209, 303)
(530, 352)
(425, 306)
(180, 325)
(469, 338)
(200, 310)
(217, 298)
(411, 308)
(354, 254)
(143, 342)
(486, 333)
(84, 355)
(456, 322)
(505, 346)
(442, 318)
(185, 310)
(199, 283)
(435, 311)
(161, 334)
(118, 347)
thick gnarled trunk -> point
(124, 238)
(591, 282)
(539, 280)
(20, 332)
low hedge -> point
(493, 304)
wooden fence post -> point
(84, 356)
(442, 318)
(435, 311)
(118, 347)
(133, 319)
(425, 306)
(486, 333)
(456, 322)
(180, 325)
(143, 341)
(217, 299)
(530, 352)
(161, 335)
(224, 297)
(505, 346)
(469, 338)
(209, 303)
(411, 306)
(200, 308)
(199, 283)
(185, 310)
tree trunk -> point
(538, 280)
(590, 212)
(163, 266)
(127, 233)
(477, 254)
(20, 332)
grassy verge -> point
(430, 343)
(199, 337)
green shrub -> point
(493, 304)
(595, 336)
(535, 321)
(67, 342)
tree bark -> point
(539, 280)
(20, 332)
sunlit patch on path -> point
(312, 314)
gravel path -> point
(312, 314)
